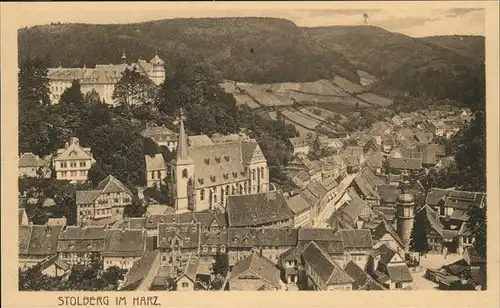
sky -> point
(414, 19)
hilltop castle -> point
(102, 78)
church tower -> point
(157, 73)
(404, 211)
(182, 174)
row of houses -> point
(275, 259)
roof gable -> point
(74, 151)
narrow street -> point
(320, 220)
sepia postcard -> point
(193, 154)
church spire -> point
(182, 144)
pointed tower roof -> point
(182, 144)
(405, 197)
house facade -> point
(123, 247)
(107, 201)
(73, 162)
(32, 166)
(81, 245)
(103, 78)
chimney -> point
(66, 145)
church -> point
(204, 174)
(102, 78)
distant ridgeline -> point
(269, 50)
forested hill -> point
(472, 46)
(259, 50)
(419, 67)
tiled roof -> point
(259, 266)
(257, 209)
(362, 281)
(124, 243)
(24, 239)
(187, 234)
(386, 254)
(68, 74)
(298, 205)
(367, 182)
(31, 160)
(137, 222)
(57, 221)
(354, 207)
(191, 269)
(388, 193)
(405, 163)
(139, 270)
(357, 238)
(87, 196)
(328, 271)
(199, 141)
(112, 185)
(298, 142)
(154, 162)
(79, 233)
(251, 237)
(399, 273)
(383, 228)
(375, 160)
(161, 132)
(43, 240)
(214, 238)
(74, 152)
(455, 198)
(318, 235)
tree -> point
(477, 226)
(33, 86)
(134, 89)
(112, 275)
(135, 208)
(221, 265)
(418, 237)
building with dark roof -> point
(269, 209)
(301, 211)
(322, 273)
(254, 273)
(362, 281)
(122, 247)
(104, 204)
(73, 162)
(37, 243)
(81, 245)
(389, 269)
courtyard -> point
(433, 261)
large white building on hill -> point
(102, 78)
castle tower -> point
(404, 211)
(157, 73)
(182, 175)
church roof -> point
(154, 163)
(157, 61)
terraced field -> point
(346, 85)
(375, 99)
(243, 99)
(268, 99)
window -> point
(117, 211)
(163, 258)
(222, 248)
(215, 198)
(73, 164)
(83, 164)
(116, 200)
(126, 199)
(205, 248)
(64, 173)
(227, 190)
(184, 174)
(202, 195)
(217, 159)
(185, 285)
(214, 248)
(158, 174)
(253, 174)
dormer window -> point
(235, 174)
(212, 178)
(217, 159)
(200, 180)
(226, 158)
(226, 176)
(207, 161)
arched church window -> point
(262, 172)
(158, 174)
(227, 190)
(215, 198)
(184, 174)
(253, 174)
(202, 194)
